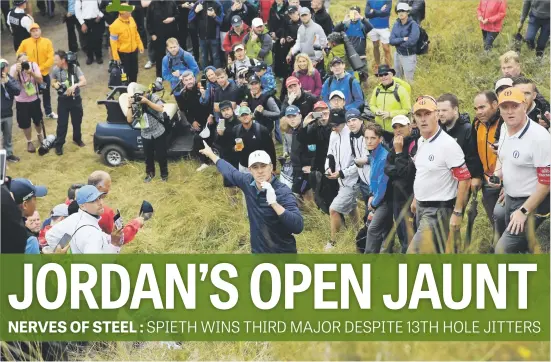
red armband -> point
(461, 173)
(543, 175)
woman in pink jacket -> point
(490, 15)
(308, 76)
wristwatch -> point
(457, 213)
(524, 211)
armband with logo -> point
(461, 173)
(543, 175)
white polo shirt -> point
(435, 158)
(520, 154)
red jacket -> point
(264, 10)
(232, 38)
(494, 11)
(107, 222)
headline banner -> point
(275, 297)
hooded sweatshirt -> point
(400, 31)
(182, 61)
(309, 35)
(340, 149)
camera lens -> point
(25, 66)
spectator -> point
(271, 228)
(301, 156)
(235, 35)
(267, 80)
(400, 169)
(345, 83)
(337, 100)
(227, 90)
(19, 22)
(72, 23)
(161, 26)
(277, 22)
(340, 166)
(321, 16)
(298, 97)
(490, 16)
(92, 24)
(125, 44)
(184, 31)
(69, 103)
(417, 10)
(241, 9)
(150, 43)
(310, 35)
(241, 60)
(356, 28)
(264, 106)
(207, 17)
(404, 36)
(40, 51)
(58, 214)
(32, 223)
(536, 108)
(25, 194)
(390, 97)
(10, 89)
(442, 182)
(308, 76)
(258, 43)
(27, 103)
(538, 13)
(523, 165)
(503, 84)
(175, 63)
(207, 98)
(225, 141)
(378, 13)
(355, 123)
(335, 43)
(14, 233)
(291, 33)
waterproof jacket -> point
(359, 150)
(233, 38)
(182, 61)
(158, 11)
(9, 90)
(317, 138)
(462, 133)
(323, 18)
(255, 138)
(378, 180)
(378, 18)
(337, 51)
(278, 20)
(340, 149)
(494, 11)
(39, 51)
(124, 37)
(208, 27)
(268, 82)
(387, 102)
(356, 32)
(400, 31)
(226, 141)
(300, 155)
(311, 83)
(352, 91)
(305, 103)
(484, 133)
(260, 49)
(400, 169)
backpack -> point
(350, 82)
(182, 59)
(117, 76)
(398, 83)
(422, 46)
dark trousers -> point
(194, 35)
(535, 25)
(212, 47)
(156, 147)
(495, 212)
(160, 52)
(46, 7)
(378, 229)
(130, 64)
(139, 17)
(402, 225)
(46, 97)
(94, 37)
(67, 106)
(488, 37)
(72, 23)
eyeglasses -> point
(382, 74)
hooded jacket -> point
(39, 51)
(400, 169)
(268, 82)
(260, 49)
(208, 27)
(378, 180)
(233, 38)
(353, 94)
(9, 90)
(182, 61)
(311, 83)
(211, 89)
(308, 36)
(400, 31)
(494, 11)
(340, 149)
(387, 102)
(378, 18)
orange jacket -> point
(40, 51)
(124, 37)
(486, 132)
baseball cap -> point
(260, 66)
(5, 62)
(400, 119)
(352, 113)
(34, 26)
(23, 190)
(337, 93)
(511, 94)
(254, 79)
(402, 7)
(259, 157)
(224, 105)
(337, 117)
(236, 20)
(503, 82)
(243, 110)
(292, 110)
(384, 69)
(336, 60)
(292, 9)
(257, 22)
(304, 10)
(238, 46)
(425, 102)
(320, 104)
(19, 2)
(60, 210)
(88, 193)
(291, 80)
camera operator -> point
(27, 103)
(152, 131)
(67, 80)
(10, 89)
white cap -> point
(400, 119)
(503, 82)
(259, 157)
(337, 93)
(257, 22)
(60, 210)
(402, 6)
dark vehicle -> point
(117, 141)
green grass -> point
(193, 213)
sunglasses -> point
(382, 74)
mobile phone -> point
(317, 115)
(64, 241)
(3, 156)
(210, 9)
(118, 220)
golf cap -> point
(292, 80)
(224, 105)
(292, 110)
(425, 102)
(34, 26)
(260, 66)
(236, 20)
(337, 117)
(60, 210)
(238, 46)
(336, 60)
(352, 113)
(243, 110)
(320, 104)
(402, 7)
(23, 190)
(304, 11)
(259, 157)
(88, 193)
(257, 22)
(292, 9)
(254, 79)
(503, 82)
(337, 93)
(400, 119)
(511, 94)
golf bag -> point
(117, 76)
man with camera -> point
(67, 80)
(147, 110)
(10, 89)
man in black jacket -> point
(207, 17)
(536, 106)
(225, 139)
(161, 25)
(301, 156)
(459, 127)
(322, 17)
(264, 106)
(297, 97)
(227, 90)
(401, 172)
(10, 89)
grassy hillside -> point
(193, 213)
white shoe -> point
(52, 115)
(149, 64)
(203, 166)
(330, 245)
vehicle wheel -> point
(113, 155)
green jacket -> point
(387, 102)
(260, 49)
(337, 51)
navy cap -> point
(292, 110)
(225, 104)
(337, 117)
(336, 60)
(260, 66)
(254, 79)
(352, 113)
(23, 190)
(236, 20)
(88, 193)
(292, 9)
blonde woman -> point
(309, 76)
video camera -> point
(72, 58)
